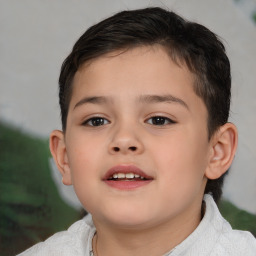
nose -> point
(126, 141)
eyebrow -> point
(162, 98)
(143, 98)
(94, 100)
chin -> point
(125, 219)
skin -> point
(153, 218)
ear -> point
(223, 148)
(59, 153)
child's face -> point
(137, 110)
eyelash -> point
(155, 120)
(161, 119)
(95, 121)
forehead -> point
(146, 62)
(141, 70)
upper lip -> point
(126, 169)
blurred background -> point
(35, 37)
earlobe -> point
(59, 153)
(223, 148)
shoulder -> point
(235, 243)
(214, 236)
(69, 242)
(229, 241)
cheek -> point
(81, 158)
(83, 149)
(181, 157)
(181, 168)
(82, 163)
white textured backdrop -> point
(36, 36)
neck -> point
(112, 241)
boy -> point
(144, 99)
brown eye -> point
(160, 120)
(96, 121)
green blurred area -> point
(254, 17)
(239, 219)
(30, 207)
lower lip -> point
(126, 184)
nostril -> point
(116, 149)
(119, 149)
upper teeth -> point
(126, 176)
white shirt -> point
(213, 237)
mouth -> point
(126, 177)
